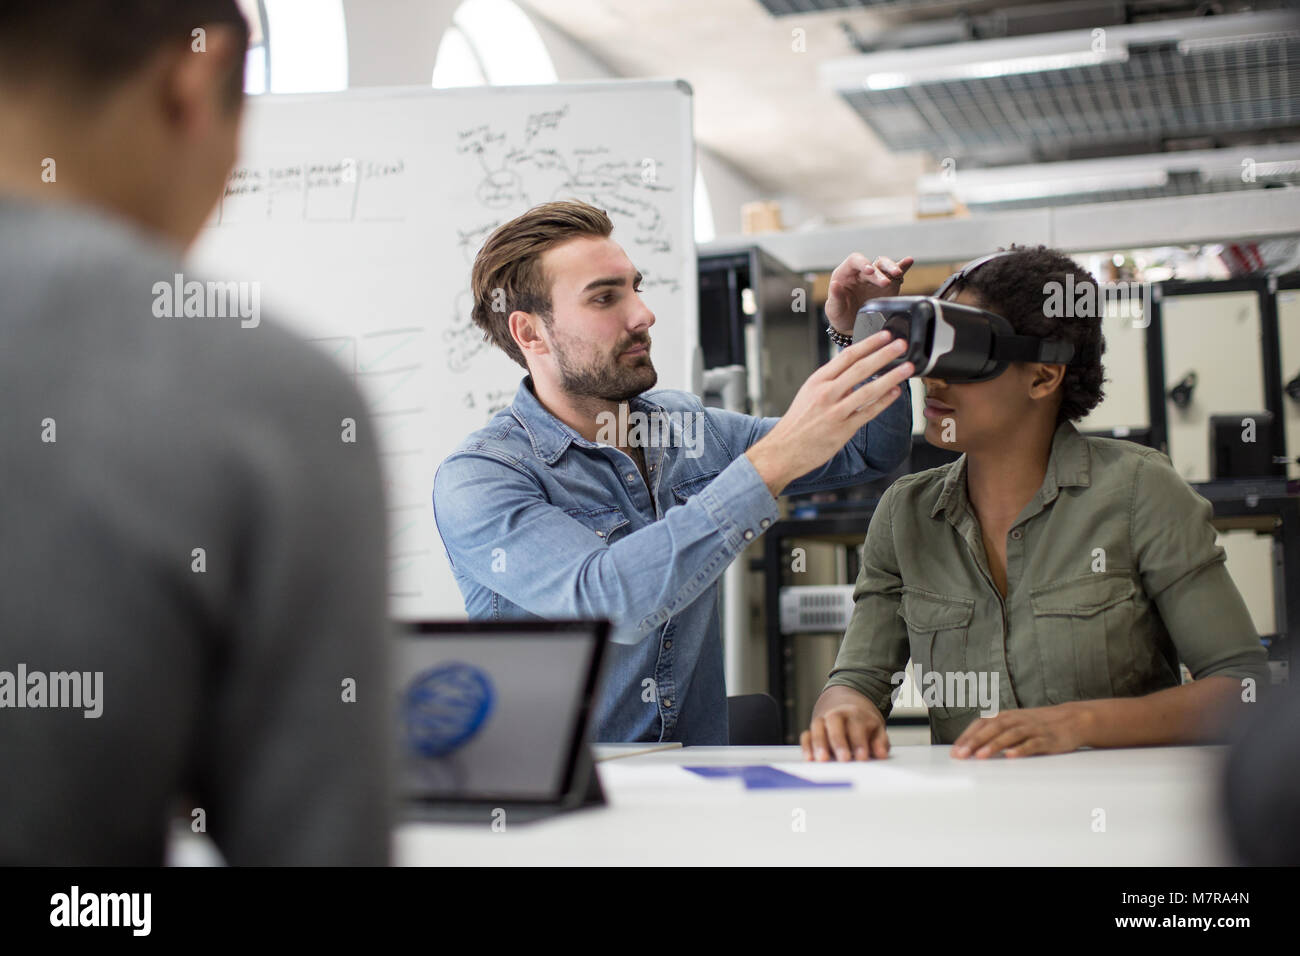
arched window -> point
(297, 46)
(257, 68)
(491, 43)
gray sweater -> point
(223, 682)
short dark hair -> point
(1016, 286)
(92, 45)
(507, 273)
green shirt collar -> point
(1069, 464)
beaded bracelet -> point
(839, 338)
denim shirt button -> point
(667, 644)
(631, 477)
(667, 703)
(1017, 534)
(765, 522)
(749, 535)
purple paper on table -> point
(764, 777)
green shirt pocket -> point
(1082, 628)
(937, 630)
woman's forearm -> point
(1195, 713)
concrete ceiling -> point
(758, 101)
(763, 104)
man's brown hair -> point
(508, 272)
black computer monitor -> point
(1241, 446)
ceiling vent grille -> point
(1078, 102)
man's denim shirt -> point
(538, 522)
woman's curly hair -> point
(1019, 287)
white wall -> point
(394, 42)
(572, 61)
(729, 189)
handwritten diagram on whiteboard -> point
(360, 213)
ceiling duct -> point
(1072, 94)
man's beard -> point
(613, 380)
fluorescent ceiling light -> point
(1067, 49)
(992, 68)
(1153, 170)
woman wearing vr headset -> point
(1045, 585)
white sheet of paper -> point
(876, 775)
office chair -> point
(754, 721)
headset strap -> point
(1026, 348)
(965, 271)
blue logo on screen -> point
(446, 706)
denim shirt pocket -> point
(693, 485)
(606, 523)
(938, 627)
(1082, 628)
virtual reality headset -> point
(954, 342)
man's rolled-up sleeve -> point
(874, 451)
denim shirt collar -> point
(1068, 465)
(550, 436)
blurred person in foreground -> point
(1261, 783)
(192, 569)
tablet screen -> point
(489, 715)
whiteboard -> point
(358, 215)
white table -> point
(1160, 807)
(601, 752)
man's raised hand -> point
(858, 279)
